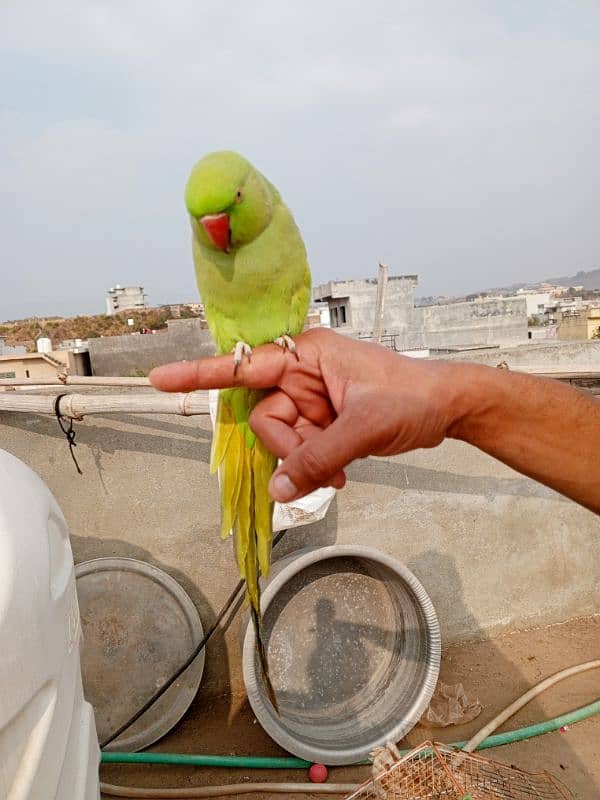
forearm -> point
(540, 427)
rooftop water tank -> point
(44, 345)
(48, 743)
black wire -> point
(68, 432)
(190, 659)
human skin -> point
(343, 399)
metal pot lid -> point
(138, 626)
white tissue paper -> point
(311, 508)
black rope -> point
(236, 594)
(68, 431)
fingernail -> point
(282, 488)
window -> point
(338, 315)
(7, 375)
(27, 373)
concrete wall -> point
(542, 332)
(540, 357)
(494, 549)
(498, 321)
(501, 321)
(137, 354)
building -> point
(317, 316)
(552, 288)
(176, 309)
(352, 305)
(582, 324)
(536, 301)
(8, 350)
(37, 366)
(76, 345)
(125, 298)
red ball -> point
(318, 773)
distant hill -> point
(589, 279)
(27, 331)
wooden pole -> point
(77, 406)
(382, 278)
(75, 380)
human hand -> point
(341, 399)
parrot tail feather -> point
(224, 427)
(245, 467)
(262, 657)
(228, 455)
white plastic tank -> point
(44, 344)
(48, 744)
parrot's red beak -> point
(217, 229)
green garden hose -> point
(289, 762)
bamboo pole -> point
(75, 380)
(77, 406)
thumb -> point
(319, 461)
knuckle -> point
(313, 464)
(319, 333)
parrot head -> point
(229, 202)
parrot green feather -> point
(255, 286)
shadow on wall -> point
(162, 437)
(196, 445)
(435, 569)
(383, 472)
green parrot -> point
(254, 280)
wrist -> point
(476, 391)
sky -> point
(456, 140)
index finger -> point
(263, 371)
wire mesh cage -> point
(434, 771)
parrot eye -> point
(238, 196)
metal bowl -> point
(354, 648)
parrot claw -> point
(239, 351)
(287, 343)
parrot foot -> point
(239, 351)
(287, 343)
